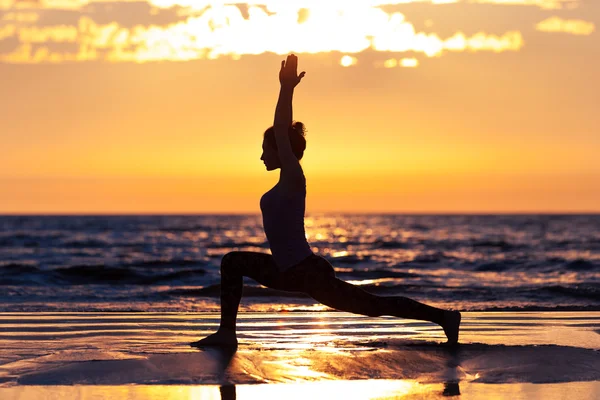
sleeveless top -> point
(283, 220)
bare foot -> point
(451, 326)
(221, 338)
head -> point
(270, 156)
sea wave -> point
(19, 274)
(475, 261)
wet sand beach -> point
(532, 355)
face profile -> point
(270, 154)
(270, 157)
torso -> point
(283, 221)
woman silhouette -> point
(292, 265)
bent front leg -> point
(234, 266)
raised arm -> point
(291, 171)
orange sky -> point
(153, 107)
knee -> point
(325, 270)
(228, 260)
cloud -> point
(8, 31)
(400, 36)
(27, 17)
(224, 32)
(409, 63)
(348, 61)
(544, 4)
(61, 33)
(274, 5)
(572, 26)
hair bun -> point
(299, 127)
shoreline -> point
(78, 348)
(531, 309)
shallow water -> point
(153, 348)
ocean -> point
(171, 263)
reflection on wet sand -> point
(451, 389)
(227, 392)
(349, 390)
(297, 356)
(367, 389)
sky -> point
(411, 106)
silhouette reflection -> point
(227, 392)
(223, 357)
(450, 389)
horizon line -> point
(230, 213)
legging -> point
(314, 276)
